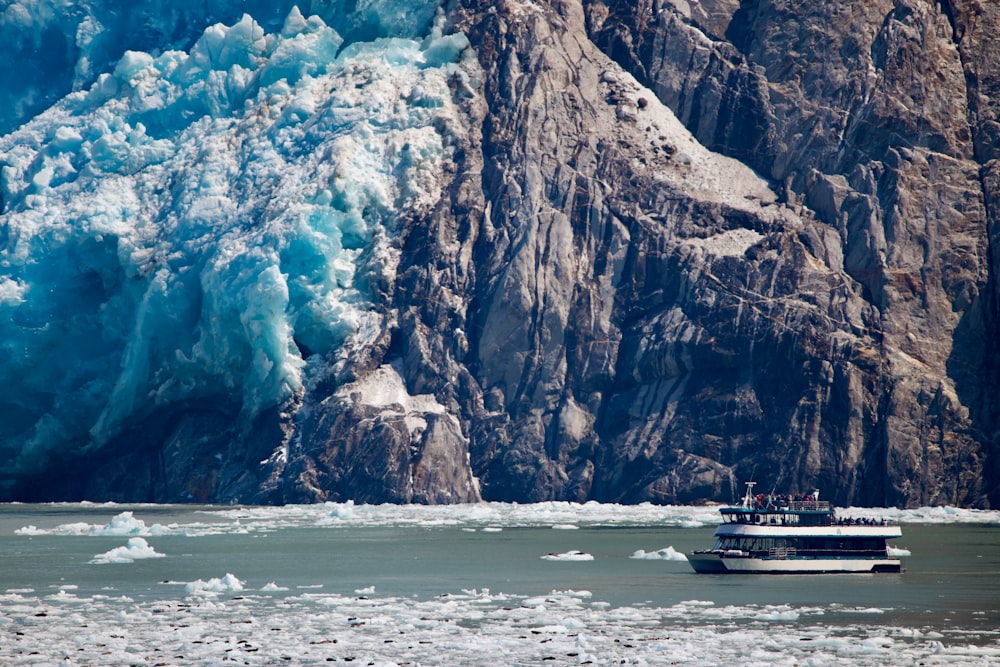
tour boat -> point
(796, 534)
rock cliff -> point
(677, 244)
(615, 314)
(880, 120)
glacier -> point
(211, 224)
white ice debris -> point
(126, 524)
(123, 524)
(214, 586)
(573, 555)
(660, 554)
(271, 587)
(467, 628)
(136, 549)
(485, 517)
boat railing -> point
(785, 506)
(808, 505)
(781, 553)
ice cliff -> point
(439, 252)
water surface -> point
(404, 585)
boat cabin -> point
(780, 509)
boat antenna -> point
(748, 496)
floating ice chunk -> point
(568, 556)
(122, 525)
(214, 586)
(563, 627)
(370, 590)
(864, 610)
(344, 511)
(125, 524)
(565, 526)
(63, 595)
(777, 613)
(932, 515)
(662, 554)
(136, 549)
(272, 587)
(475, 516)
(573, 594)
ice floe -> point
(136, 549)
(485, 517)
(214, 586)
(573, 555)
(468, 628)
(123, 524)
(668, 553)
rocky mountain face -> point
(680, 244)
(879, 121)
(608, 316)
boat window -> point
(816, 545)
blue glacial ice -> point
(203, 225)
(53, 47)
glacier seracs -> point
(53, 47)
(199, 225)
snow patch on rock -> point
(384, 388)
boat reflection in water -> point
(795, 535)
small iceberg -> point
(568, 556)
(136, 549)
(668, 553)
(214, 586)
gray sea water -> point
(491, 584)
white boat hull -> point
(718, 563)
